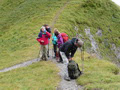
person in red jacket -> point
(43, 39)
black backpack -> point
(73, 70)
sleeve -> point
(73, 52)
(49, 30)
(40, 35)
(67, 50)
(55, 38)
(48, 35)
(61, 39)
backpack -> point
(73, 70)
(65, 37)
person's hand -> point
(70, 58)
(42, 41)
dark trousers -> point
(55, 49)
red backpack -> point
(65, 37)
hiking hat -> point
(43, 27)
(80, 43)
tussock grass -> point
(98, 74)
(38, 76)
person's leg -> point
(41, 54)
(45, 52)
(65, 62)
(55, 49)
(60, 57)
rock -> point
(99, 32)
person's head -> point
(79, 43)
(56, 32)
(46, 25)
(42, 28)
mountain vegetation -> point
(20, 22)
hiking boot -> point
(67, 78)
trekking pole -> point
(82, 58)
(48, 51)
(52, 53)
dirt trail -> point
(24, 64)
(58, 14)
(65, 85)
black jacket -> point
(48, 30)
(69, 48)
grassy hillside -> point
(98, 74)
(93, 14)
(40, 76)
(20, 22)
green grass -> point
(98, 74)
(20, 22)
(38, 76)
(93, 14)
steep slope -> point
(97, 22)
(101, 20)
(20, 22)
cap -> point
(80, 43)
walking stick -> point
(82, 58)
(48, 51)
(82, 50)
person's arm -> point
(61, 39)
(67, 50)
(40, 35)
(55, 38)
(48, 34)
(49, 30)
(73, 52)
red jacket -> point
(44, 40)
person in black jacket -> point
(47, 28)
(70, 47)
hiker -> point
(48, 30)
(59, 43)
(67, 51)
(43, 40)
(70, 47)
(54, 41)
(59, 37)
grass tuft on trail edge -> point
(98, 74)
